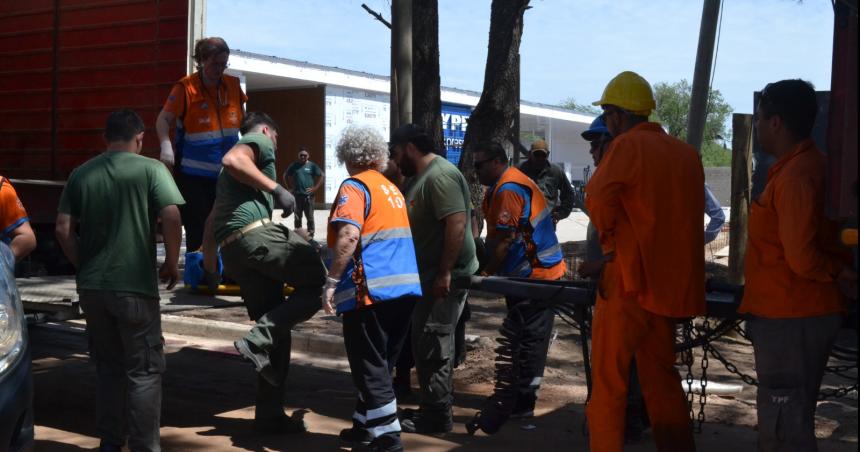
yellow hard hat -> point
(628, 90)
(539, 145)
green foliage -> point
(673, 107)
(529, 137)
(587, 109)
(714, 154)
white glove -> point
(167, 152)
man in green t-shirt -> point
(304, 178)
(115, 199)
(437, 200)
(262, 256)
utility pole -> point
(742, 126)
(702, 74)
(401, 54)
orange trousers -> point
(622, 330)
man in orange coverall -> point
(794, 269)
(646, 201)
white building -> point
(313, 104)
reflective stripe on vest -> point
(536, 244)
(386, 254)
(209, 127)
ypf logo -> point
(453, 122)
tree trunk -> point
(493, 119)
(426, 90)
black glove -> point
(284, 200)
(212, 281)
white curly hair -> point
(362, 146)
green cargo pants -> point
(433, 323)
(126, 346)
(262, 261)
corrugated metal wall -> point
(68, 63)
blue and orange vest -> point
(535, 245)
(384, 266)
(210, 125)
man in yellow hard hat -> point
(646, 201)
(551, 179)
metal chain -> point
(836, 393)
(840, 369)
(742, 331)
(703, 395)
(731, 367)
(687, 357)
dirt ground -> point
(209, 392)
(208, 399)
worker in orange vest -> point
(794, 266)
(521, 242)
(207, 108)
(373, 282)
(646, 201)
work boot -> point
(356, 434)
(260, 360)
(385, 443)
(525, 407)
(422, 424)
(280, 425)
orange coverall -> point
(646, 201)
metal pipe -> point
(702, 74)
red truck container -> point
(67, 65)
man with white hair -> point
(373, 282)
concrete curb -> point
(309, 343)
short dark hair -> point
(207, 48)
(123, 125)
(415, 134)
(494, 150)
(794, 102)
(257, 118)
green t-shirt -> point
(441, 190)
(303, 175)
(116, 198)
(238, 205)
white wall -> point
(345, 107)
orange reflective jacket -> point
(384, 266)
(516, 203)
(208, 122)
(793, 254)
(646, 200)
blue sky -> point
(570, 48)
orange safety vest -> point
(209, 127)
(384, 266)
(536, 245)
